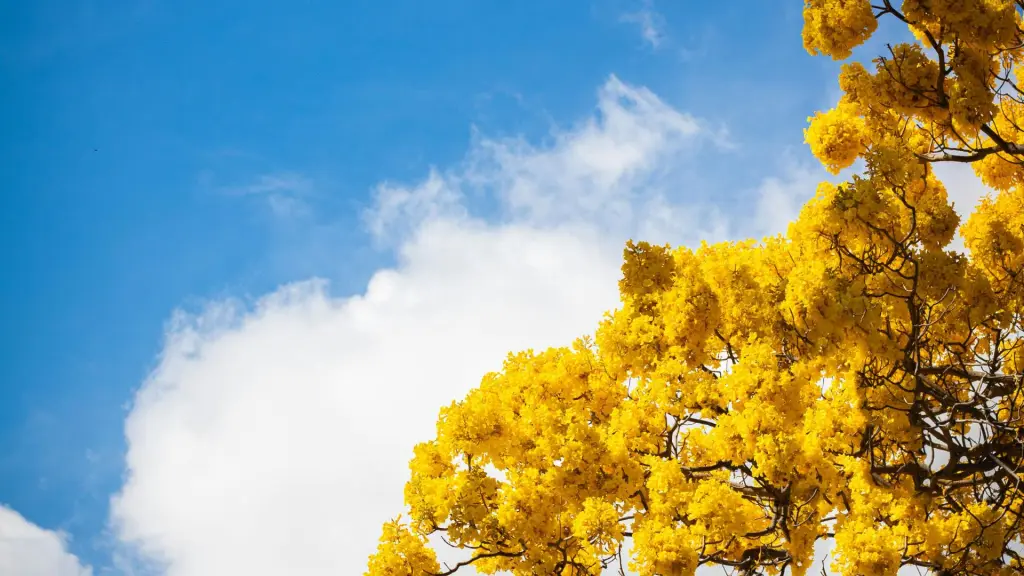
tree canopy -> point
(855, 379)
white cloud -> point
(274, 439)
(28, 550)
(650, 22)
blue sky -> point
(163, 156)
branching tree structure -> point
(854, 379)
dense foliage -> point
(854, 380)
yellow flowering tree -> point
(854, 380)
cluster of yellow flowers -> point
(836, 27)
(951, 95)
(853, 379)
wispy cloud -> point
(285, 193)
(281, 183)
(611, 170)
(650, 22)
